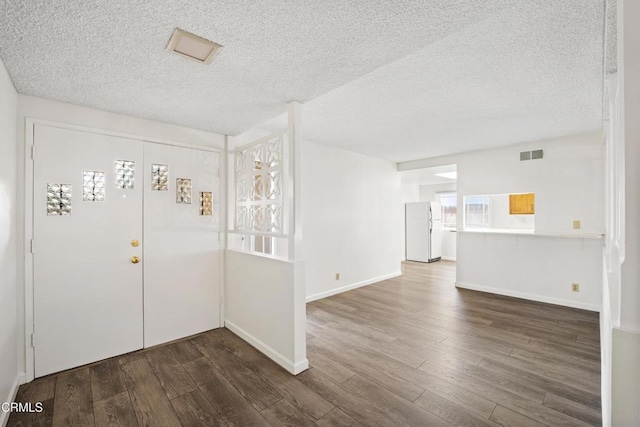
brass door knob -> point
(135, 243)
(135, 259)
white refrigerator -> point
(423, 231)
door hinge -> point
(33, 152)
(33, 340)
(31, 247)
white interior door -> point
(87, 290)
(181, 242)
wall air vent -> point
(192, 47)
(531, 155)
(537, 154)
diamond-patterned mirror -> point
(125, 171)
(183, 191)
(93, 186)
(159, 177)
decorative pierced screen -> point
(183, 190)
(206, 203)
(58, 199)
(93, 186)
(125, 174)
(258, 181)
(159, 177)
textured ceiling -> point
(394, 79)
(532, 72)
(109, 54)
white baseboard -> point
(286, 363)
(448, 258)
(342, 289)
(532, 297)
(4, 416)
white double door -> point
(126, 250)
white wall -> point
(265, 305)
(532, 267)
(37, 108)
(568, 184)
(352, 219)
(29, 106)
(428, 192)
(410, 193)
(8, 241)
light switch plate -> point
(576, 225)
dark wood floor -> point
(407, 351)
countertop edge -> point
(534, 234)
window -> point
(476, 213)
(258, 181)
(260, 221)
(449, 204)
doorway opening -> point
(431, 203)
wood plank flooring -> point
(412, 351)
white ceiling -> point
(531, 72)
(395, 80)
(109, 54)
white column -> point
(295, 178)
(626, 339)
(224, 221)
(296, 250)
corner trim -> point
(342, 289)
(301, 366)
(294, 368)
(532, 297)
(4, 416)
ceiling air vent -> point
(192, 47)
(531, 155)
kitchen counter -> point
(519, 232)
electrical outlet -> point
(337, 276)
(576, 225)
(575, 287)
